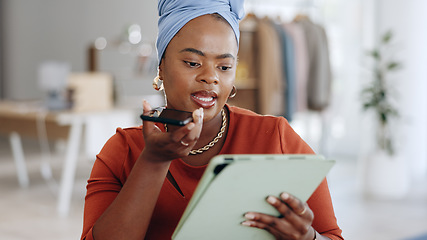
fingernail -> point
(271, 200)
(250, 216)
(190, 126)
(246, 223)
(284, 196)
(145, 104)
(201, 113)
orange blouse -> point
(248, 133)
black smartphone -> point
(168, 116)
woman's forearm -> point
(129, 214)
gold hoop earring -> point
(157, 83)
(233, 92)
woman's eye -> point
(192, 64)
(225, 68)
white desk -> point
(19, 119)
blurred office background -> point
(50, 130)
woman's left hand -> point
(294, 222)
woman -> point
(141, 183)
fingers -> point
(198, 121)
(178, 141)
(146, 106)
(147, 126)
(173, 144)
(187, 136)
(293, 210)
(298, 207)
(271, 227)
(294, 221)
(278, 227)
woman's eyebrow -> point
(226, 55)
(200, 53)
(193, 50)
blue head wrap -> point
(174, 14)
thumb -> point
(147, 126)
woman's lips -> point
(204, 99)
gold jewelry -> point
(156, 85)
(216, 139)
(303, 211)
(184, 143)
(233, 92)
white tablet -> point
(235, 184)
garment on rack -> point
(291, 65)
(269, 69)
(319, 79)
(301, 66)
(288, 71)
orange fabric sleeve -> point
(324, 221)
(104, 179)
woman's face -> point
(199, 66)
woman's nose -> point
(209, 75)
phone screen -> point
(168, 116)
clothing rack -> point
(313, 124)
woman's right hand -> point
(166, 146)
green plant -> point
(377, 94)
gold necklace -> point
(216, 139)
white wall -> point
(40, 30)
(407, 19)
(342, 21)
